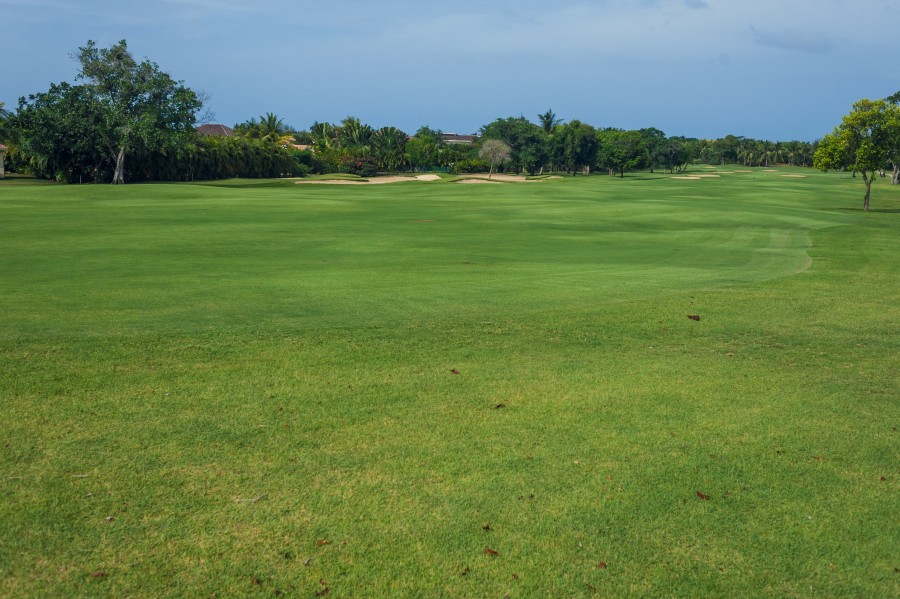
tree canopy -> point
(139, 105)
(865, 142)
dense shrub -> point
(470, 165)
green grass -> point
(245, 388)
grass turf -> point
(250, 388)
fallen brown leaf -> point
(702, 495)
(491, 552)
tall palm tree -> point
(273, 129)
(548, 121)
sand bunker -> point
(706, 176)
(795, 176)
(477, 181)
(372, 181)
(691, 178)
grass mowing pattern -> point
(171, 351)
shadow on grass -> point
(882, 210)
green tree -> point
(675, 155)
(863, 143)
(57, 135)
(621, 151)
(140, 104)
(424, 149)
(894, 100)
(574, 146)
(654, 142)
(527, 142)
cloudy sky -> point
(775, 69)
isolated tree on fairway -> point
(494, 150)
(140, 105)
(863, 143)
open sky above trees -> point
(703, 68)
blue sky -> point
(775, 69)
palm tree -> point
(549, 121)
(273, 129)
(354, 134)
(389, 145)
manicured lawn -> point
(433, 389)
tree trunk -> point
(868, 181)
(2, 167)
(895, 176)
(119, 175)
(491, 173)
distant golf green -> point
(575, 387)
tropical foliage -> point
(125, 109)
(866, 141)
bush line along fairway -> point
(431, 389)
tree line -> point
(128, 120)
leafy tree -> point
(675, 154)
(139, 104)
(894, 100)
(621, 151)
(863, 143)
(58, 135)
(654, 141)
(574, 146)
(527, 142)
(495, 151)
(424, 149)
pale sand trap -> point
(795, 176)
(708, 176)
(476, 181)
(331, 182)
(727, 172)
(743, 171)
(372, 181)
(497, 178)
(688, 178)
(769, 170)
